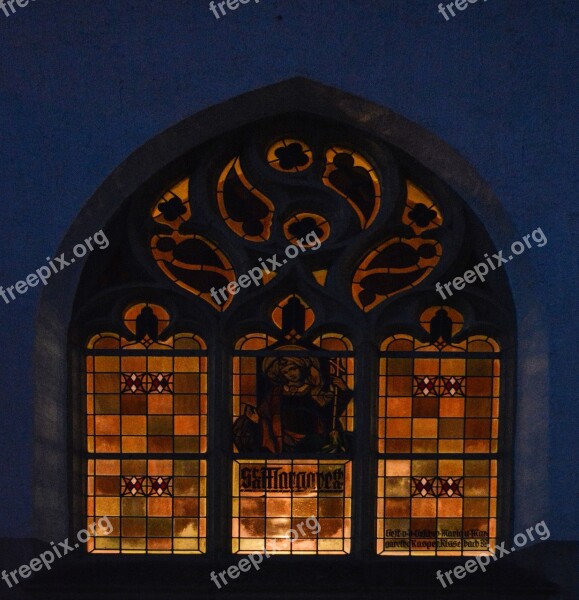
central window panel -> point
(293, 420)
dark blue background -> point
(83, 84)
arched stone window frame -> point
(55, 467)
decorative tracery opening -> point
(403, 255)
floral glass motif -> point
(133, 486)
(424, 486)
(292, 396)
(436, 486)
(173, 208)
(146, 397)
(452, 386)
(438, 400)
(392, 267)
(400, 263)
(147, 486)
(298, 226)
(425, 386)
(421, 212)
(161, 383)
(194, 263)
(161, 486)
(289, 155)
(133, 383)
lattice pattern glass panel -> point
(436, 507)
(147, 398)
(438, 429)
(144, 403)
(272, 497)
(154, 506)
(434, 403)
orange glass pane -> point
(235, 189)
(141, 400)
(418, 206)
(292, 506)
(342, 166)
(149, 504)
(442, 509)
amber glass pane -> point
(439, 507)
(147, 394)
(245, 209)
(352, 176)
(392, 266)
(289, 156)
(421, 212)
(154, 506)
(292, 506)
(438, 398)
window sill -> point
(530, 573)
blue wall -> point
(83, 84)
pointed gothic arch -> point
(58, 500)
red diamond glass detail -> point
(161, 383)
(450, 487)
(425, 386)
(133, 486)
(452, 386)
(423, 486)
(133, 383)
(160, 486)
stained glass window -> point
(289, 345)
(146, 398)
(293, 406)
(438, 410)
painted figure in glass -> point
(299, 408)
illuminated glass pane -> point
(421, 212)
(245, 209)
(289, 155)
(351, 176)
(153, 506)
(436, 507)
(147, 394)
(297, 228)
(437, 398)
(292, 506)
(196, 264)
(391, 267)
(293, 401)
